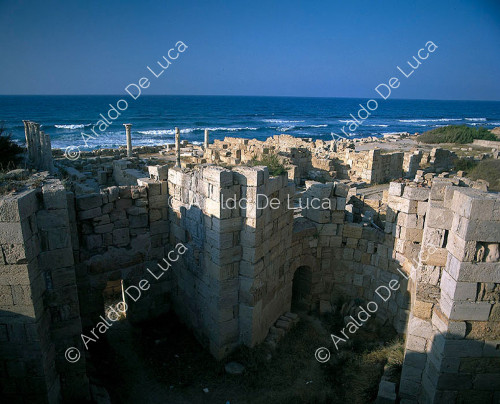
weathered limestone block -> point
(402, 204)
(464, 310)
(396, 188)
(158, 172)
(416, 194)
(438, 216)
(217, 175)
(14, 208)
(54, 196)
(87, 202)
(412, 221)
(472, 272)
(473, 204)
(462, 250)
(458, 290)
(474, 229)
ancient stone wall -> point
(232, 287)
(39, 147)
(250, 253)
(452, 342)
(123, 230)
(40, 313)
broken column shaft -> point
(205, 145)
(129, 138)
(177, 147)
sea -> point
(154, 118)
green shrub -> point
(488, 170)
(465, 164)
(272, 162)
(10, 151)
(456, 134)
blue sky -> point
(333, 48)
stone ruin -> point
(62, 246)
(305, 158)
(39, 147)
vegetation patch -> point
(272, 162)
(456, 134)
(488, 170)
(10, 152)
(465, 164)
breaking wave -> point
(430, 120)
(75, 126)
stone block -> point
(472, 204)
(56, 258)
(158, 172)
(104, 228)
(54, 196)
(464, 310)
(462, 348)
(397, 203)
(224, 177)
(14, 208)
(50, 219)
(386, 392)
(89, 214)
(121, 237)
(396, 188)
(353, 230)
(138, 221)
(416, 193)
(422, 208)
(341, 189)
(487, 230)
(473, 272)
(87, 202)
(460, 291)
(462, 250)
(439, 217)
(420, 328)
(321, 191)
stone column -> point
(129, 138)
(29, 145)
(177, 147)
(205, 145)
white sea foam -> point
(227, 129)
(164, 131)
(430, 120)
(280, 121)
(380, 126)
(190, 130)
(75, 126)
(290, 127)
(476, 119)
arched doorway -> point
(301, 289)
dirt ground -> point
(162, 362)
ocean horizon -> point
(153, 117)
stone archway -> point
(302, 289)
(302, 285)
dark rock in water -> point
(234, 368)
